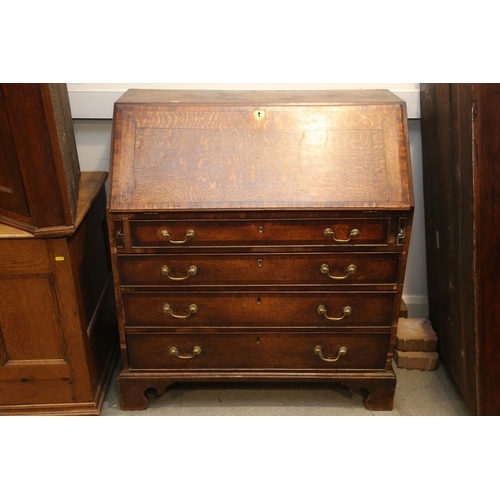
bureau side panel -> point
(116, 238)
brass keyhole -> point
(261, 229)
(259, 262)
(259, 114)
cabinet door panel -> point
(45, 383)
(29, 321)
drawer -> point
(181, 310)
(196, 233)
(311, 351)
(325, 269)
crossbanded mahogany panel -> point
(266, 351)
(175, 157)
(297, 231)
(241, 309)
(257, 269)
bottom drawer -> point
(253, 351)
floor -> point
(418, 393)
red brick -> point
(427, 361)
(415, 334)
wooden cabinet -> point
(461, 156)
(259, 236)
(58, 332)
(39, 169)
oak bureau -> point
(259, 236)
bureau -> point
(259, 236)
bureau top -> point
(211, 149)
(258, 97)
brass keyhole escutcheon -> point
(259, 262)
(259, 114)
(261, 229)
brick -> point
(427, 361)
(415, 334)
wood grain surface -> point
(181, 155)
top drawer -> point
(199, 233)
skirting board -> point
(418, 306)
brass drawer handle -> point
(325, 269)
(330, 232)
(341, 352)
(193, 308)
(173, 351)
(190, 272)
(322, 310)
(163, 233)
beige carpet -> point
(418, 393)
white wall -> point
(93, 138)
(95, 100)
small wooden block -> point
(416, 360)
(415, 334)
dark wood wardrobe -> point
(461, 169)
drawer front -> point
(181, 310)
(267, 351)
(325, 269)
(196, 233)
